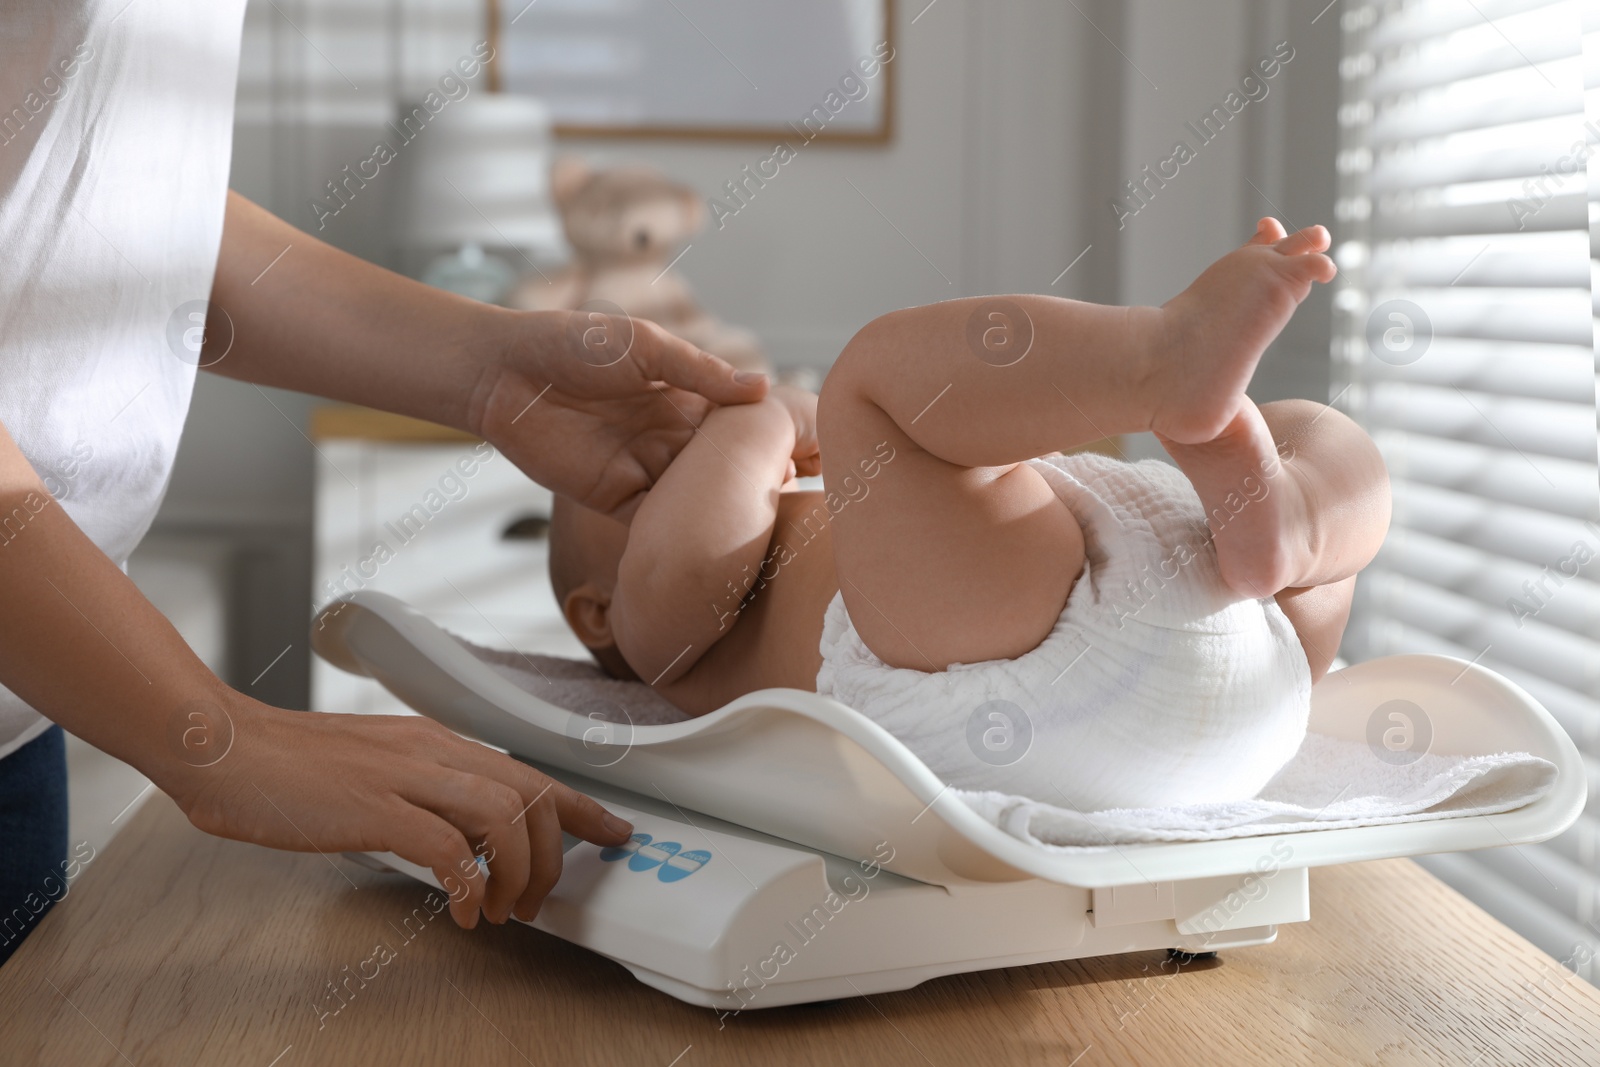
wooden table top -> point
(330, 421)
(175, 947)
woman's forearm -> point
(309, 317)
(83, 646)
(624, 395)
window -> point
(1465, 342)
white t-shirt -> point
(116, 127)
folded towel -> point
(579, 686)
(1329, 783)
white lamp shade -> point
(477, 172)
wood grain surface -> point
(177, 948)
(329, 421)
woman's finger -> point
(484, 811)
(544, 846)
(423, 838)
(578, 815)
(583, 817)
(662, 357)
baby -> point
(1070, 628)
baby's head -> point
(585, 548)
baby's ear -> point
(588, 612)
(587, 609)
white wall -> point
(984, 176)
(1275, 158)
(1014, 122)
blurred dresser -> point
(438, 519)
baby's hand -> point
(802, 408)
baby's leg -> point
(1297, 498)
(961, 552)
(939, 561)
(1319, 614)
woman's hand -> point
(87, 649)
(378, 783)
(596, 406)
(593, 406)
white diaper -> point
(1157, 686)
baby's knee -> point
(861, 363)
(1306, 426)
(852, 393)
(1340, 463)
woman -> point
(120, 241)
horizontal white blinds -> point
(1542, 260)
(1528, 428)
(1466, 345)
(1423, 23)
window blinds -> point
(1465, 343)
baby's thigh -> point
(940, 563)
(1319, 614)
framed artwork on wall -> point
(720, 69)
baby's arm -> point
(703, 529)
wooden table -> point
(174, 947)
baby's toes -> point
(1268, 231)
(1310, 239)
(1300, 271)
(1312, 267)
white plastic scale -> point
(788, 849)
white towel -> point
(1328, 784)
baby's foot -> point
(1255, 505)
(1213, 333)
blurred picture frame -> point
(757, 70)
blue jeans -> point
(33, 835)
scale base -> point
(728, 918)
(840, 987)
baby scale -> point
(787, 849)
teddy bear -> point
(624, 224)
